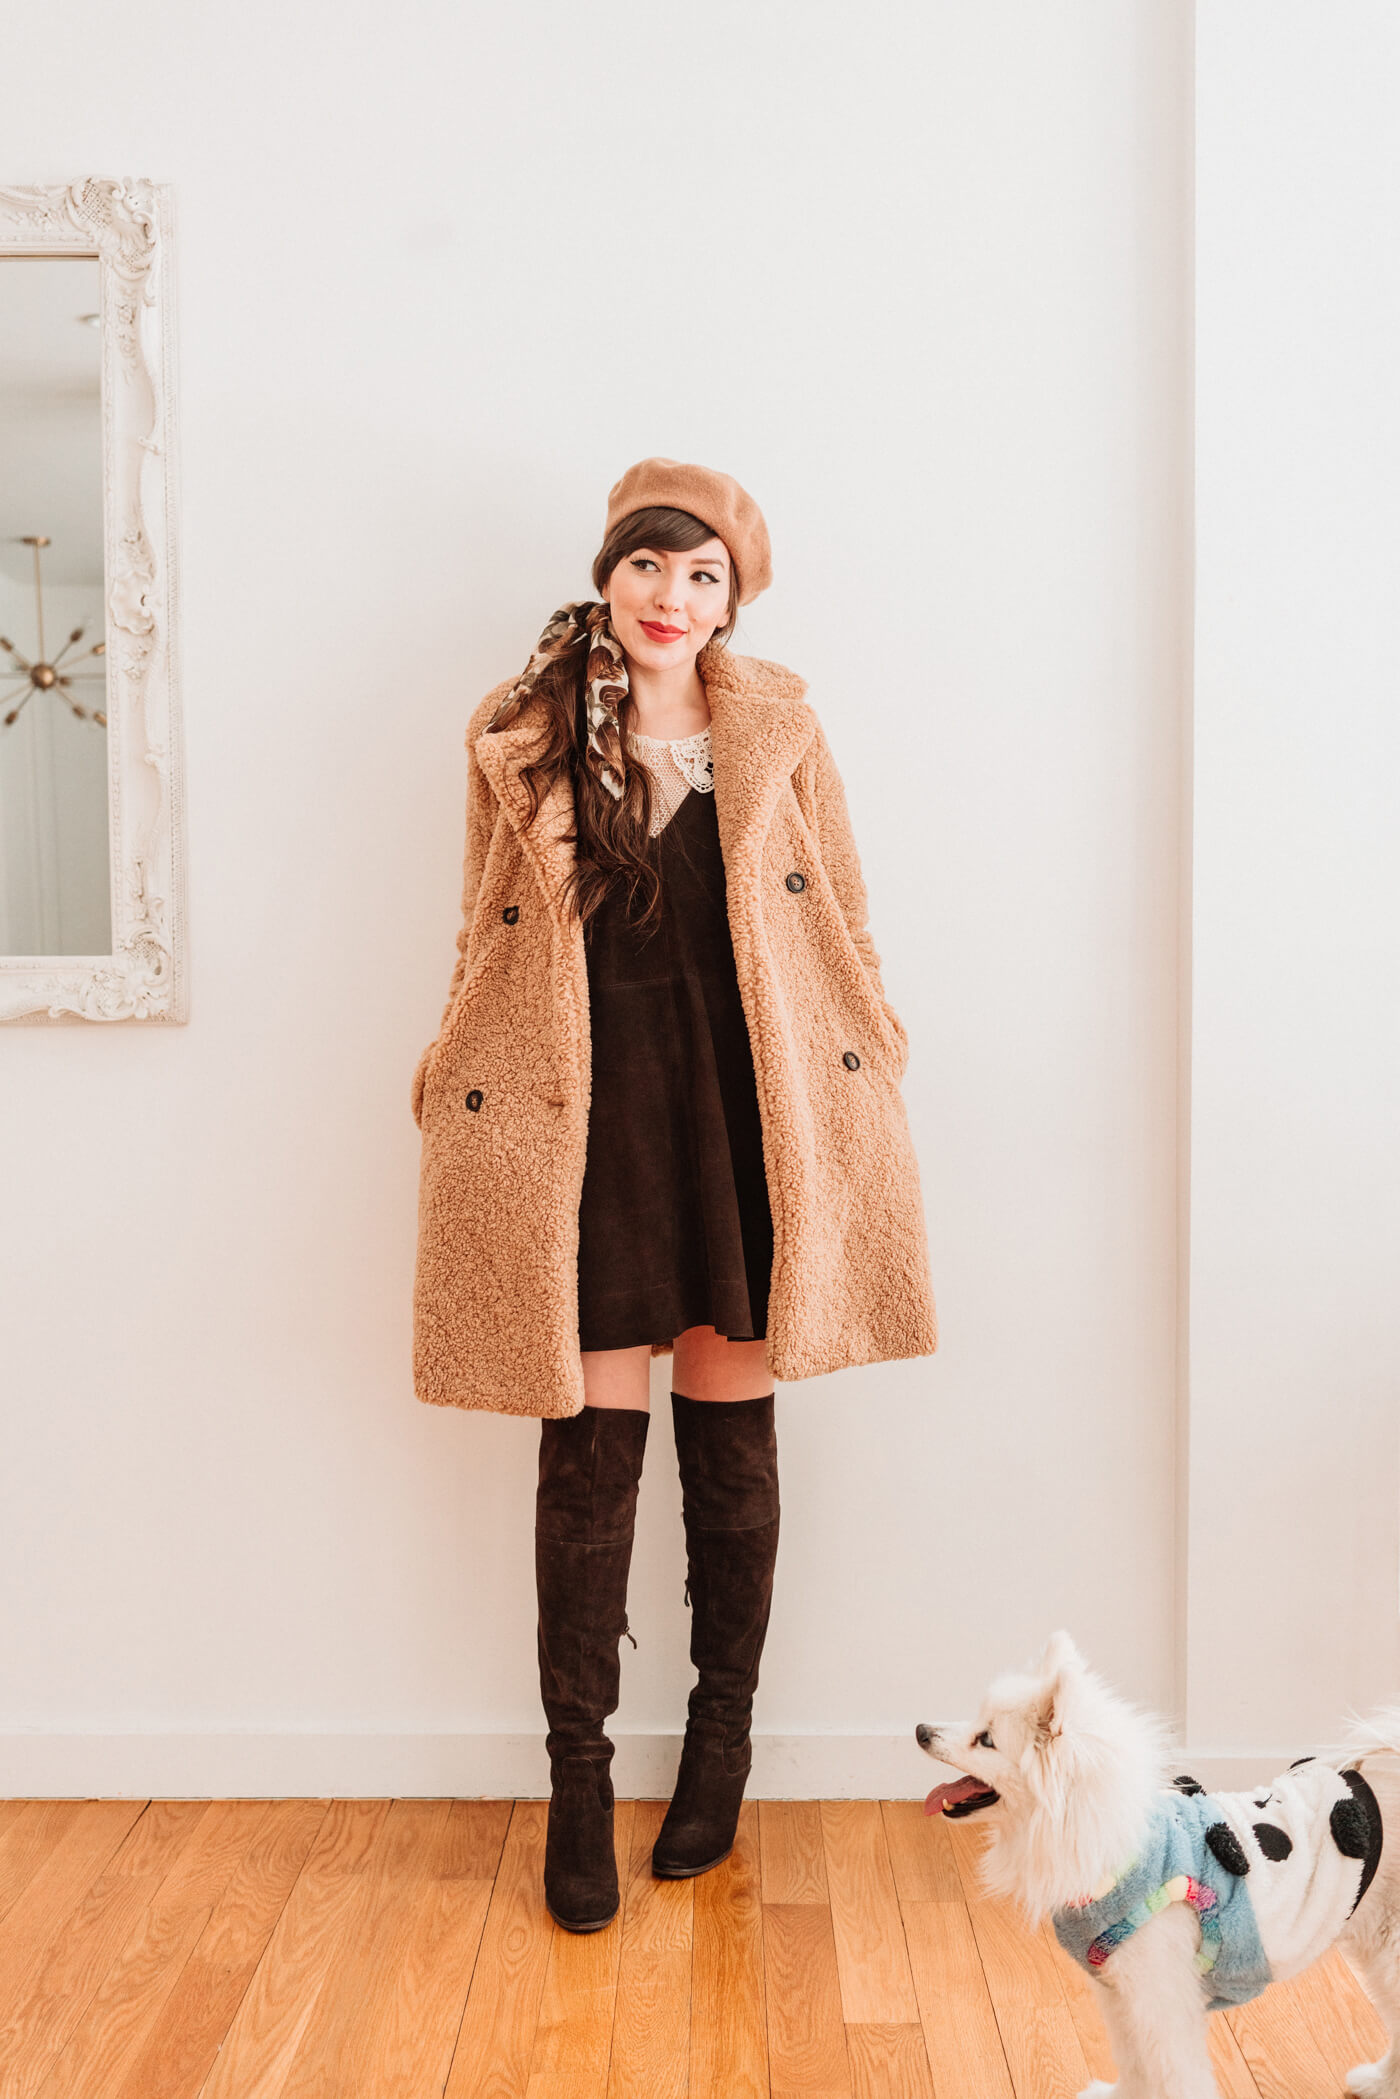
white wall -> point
(1295, 1211)
(920, 279)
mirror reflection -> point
(55, 896)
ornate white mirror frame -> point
(126, 226)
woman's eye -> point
(983, 1741)
(640, 559)
(704, 576)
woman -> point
(661, 1114)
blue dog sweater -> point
(1272, 1876)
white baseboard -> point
(506, 1767)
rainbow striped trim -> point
(1182, 1888)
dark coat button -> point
(850, 1060)
(511, 913)
(796, 881)
(474, 1099)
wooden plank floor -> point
(376, 1949)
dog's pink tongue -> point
(950, 1794)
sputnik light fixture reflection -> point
(58, 677)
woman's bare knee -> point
(617, 1377)
(710, 1366)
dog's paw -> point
(1373, 2080)
(1098, 2090)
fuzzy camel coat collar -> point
(502, 1092)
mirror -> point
(55, 890)
(91, 778)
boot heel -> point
(702, 1821)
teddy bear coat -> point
(501, 1094)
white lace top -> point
(676, 764)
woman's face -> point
(665, 607)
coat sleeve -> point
(481, 815)
(841, 860)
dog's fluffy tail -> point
(1379, 1730)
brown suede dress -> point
(674, 1224)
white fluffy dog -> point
(1175, 1900)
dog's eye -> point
(983, 1741)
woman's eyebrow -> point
(700, 560)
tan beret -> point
(716, 499)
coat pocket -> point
(899, 1037)
(889, 1028)
(420, 1080)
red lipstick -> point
(660, 633)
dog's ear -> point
(1060, 1651)
(1060, 1664)
(1061, 1655)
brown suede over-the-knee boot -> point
(728, 1456)
(585, 1509)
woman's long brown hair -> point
(609, 836)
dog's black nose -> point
(923, 1734)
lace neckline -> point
(690, 755)
(672, 743)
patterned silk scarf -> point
(583, 623)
